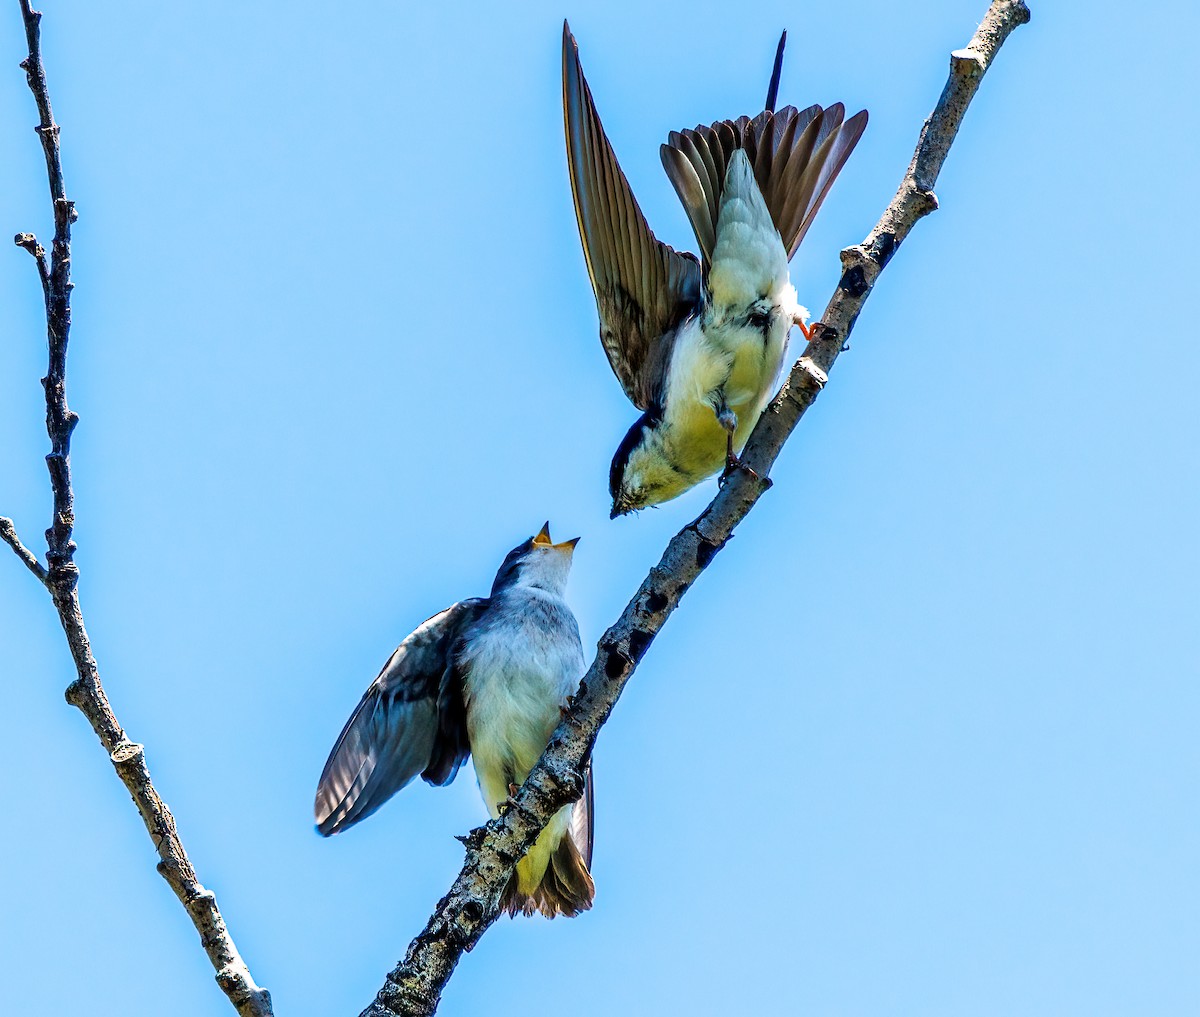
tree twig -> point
(414, 987)
(38, 253)
(61, 576)
(9, 533)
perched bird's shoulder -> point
(422, 655)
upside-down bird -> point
(698, 344)
(487, 678)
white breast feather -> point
(518, 674)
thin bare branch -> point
(9, 532)
(30, 243)
(414, 987)
(62, 575)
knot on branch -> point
(63, 575)
(861, 265)
(235, 981)
(201, 897)
(639, 642)
(126, 753)
(706, 550)
(617, 661)
(854, 282)
(76, 693)
(30, 243)
(923, 199)
(562, 781)
(883, 247)
(65, 205)
(232, 981)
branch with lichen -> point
(414, 987)
(60, 575)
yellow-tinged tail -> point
(555, 878)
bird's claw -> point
(732, 465)
(808, 331)
(510, 801)
(732, 462)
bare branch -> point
(62, 575)
(414, 987)
(9, 532)
(38, 253)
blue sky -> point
(923, 738)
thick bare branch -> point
(465, 913)
(62, 575)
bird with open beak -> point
(698, 344)
(487, 678)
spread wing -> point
(411, 720)
(796, 155)
(644, 289)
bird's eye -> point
(759, 320)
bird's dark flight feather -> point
(410, 721)
(773, 87)
(644, 288)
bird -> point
(489, 678)
(698, 343)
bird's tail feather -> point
(566, 887)
(795, 154)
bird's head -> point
(537, 562)
(642, 474)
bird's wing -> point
(583, 818)
(410, 721)
(796, 155)
(644, 288)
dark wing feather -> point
(796, 155)
(643, 288)
(583, 818)
(773, 87)
(410, 721)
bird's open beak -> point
(543, 540)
